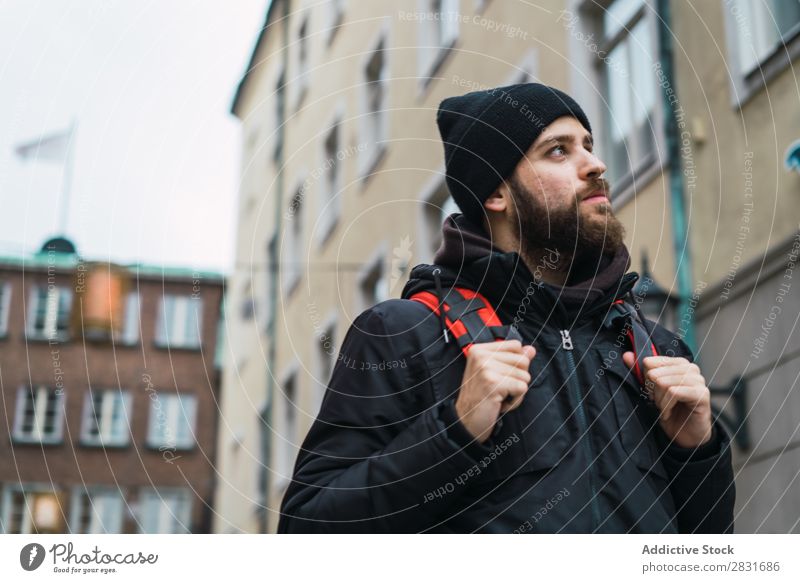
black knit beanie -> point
(486, 134)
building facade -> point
(108, 428)
(343, 189)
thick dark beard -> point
(565, 230)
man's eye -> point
(558, 151)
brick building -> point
(107, 429)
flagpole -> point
(66, 180)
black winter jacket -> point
(387, 452)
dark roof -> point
(252, 63)
(59, 245)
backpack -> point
(470, 318)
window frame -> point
(293, 248)
(324, 371)
(182, 518)
(335, 18)
(80, 496)
(6, 290)
(330, 196)
(431, 57)
(377, 260)
(8, 489)
(374, 139)
(88, 417)
(57, 435)
(744, 85)
(302, 81)
(288, 439)
(177, 412)
(162, 336)
(33, 307)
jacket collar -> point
(467, 258)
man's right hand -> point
(494, 371)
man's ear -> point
(498, 200)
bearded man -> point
(527, 400)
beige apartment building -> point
(342, 192)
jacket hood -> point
(468, 258)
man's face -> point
(559, 198)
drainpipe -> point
(680, 232)
(273, 263)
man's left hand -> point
(681, 395)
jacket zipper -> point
(566, 344)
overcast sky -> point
(150, 84)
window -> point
(106, 418)
(293, 243)
(326, 358)
(49, 312)
(28, 509)
(5, 304)
(438, 207)
(179, 322)
(130, 327)
(374, 285)
(631, 89)
(165, 512)
(287, 442)
(172, 421)
(330, 207)
(265, 461)
(96, 511)
(248, 305)
(280, 107)
(302, 62)
(438, 33)
(272, 273)
(761, 28)
(335, 17)
(374, 121)
(527, 70)
(39, 415)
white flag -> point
(52, 148)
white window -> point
(106, 415)
(165, 511)
(180, 318)
(630, 84)
(272, 273)
(374, 120)
(292, 252)
(335, 17)
(248, 302)
(287, 440)
(97, 511)
(39, 416)
(28, 509)
(330, 207)
(761, 28)
(302, 62)
(49, 311)
(5, 305)
(172, 420)
(326, 359)
(130, 327)
(438, 32)
(280, 97)
(437, 208)
(373, 284)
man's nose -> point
(593, 167)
